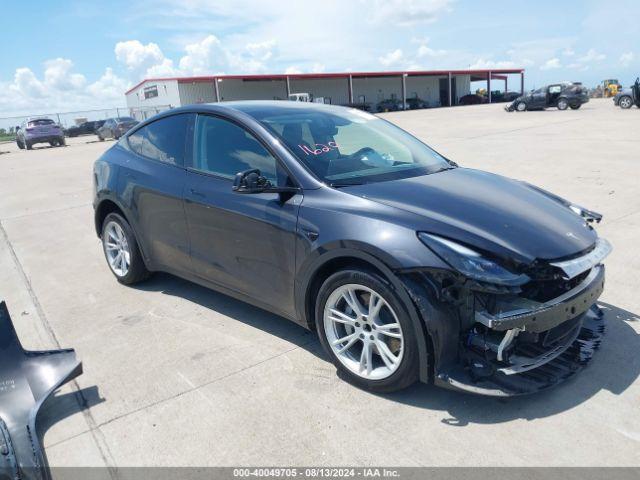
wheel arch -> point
(109, 205)
(334, 261)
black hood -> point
(495, 214)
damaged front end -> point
(27, 379)
(511, 336)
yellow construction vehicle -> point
(611, 87)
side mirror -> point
(250, 181)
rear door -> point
(244, 242)
(152, 183)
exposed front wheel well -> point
(325, 271)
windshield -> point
(350, 147)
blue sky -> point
(80, 55)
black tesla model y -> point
(407, 266)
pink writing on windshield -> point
(321, 148)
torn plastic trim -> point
(538, 317)
(575, 266)
(559, 369)
(27, 379)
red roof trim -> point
(298, 76)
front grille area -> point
(543, 288)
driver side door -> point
(242, 242)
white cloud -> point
(138, 58)
(292, 70)
(406, 13)
(205, 57)
(425, 51)
(568, 52)
(592, 56)
(626, 59)
(551, 64)
(58, 75)
(391, 58)
(482, 64)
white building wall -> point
(376, 89)
(463, 85)
(336, 89)
(197, 92)
(167, 95)
(424, 87)
(235, 89)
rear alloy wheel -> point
(625, 102)
(563, 104)
(521, 107)
(121, 250)
(366, 331)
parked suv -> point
(406, 265)
(115, 127)
(39, 130)
(85, 128)
(560, 95)
(629, 97)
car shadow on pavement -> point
(614, 368)
(236, 309)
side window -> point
(224, 148)
(555, 89)
(162, 140)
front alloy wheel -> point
(563, 104)
(363, 332)
(366, 329)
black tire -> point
(62, 142)
(406, 373)
(28, 146)
(100, 138)
(137, 269)
(53, 143)
(563, 104)
(20, 145)
(627, 103)
(576, 106)
(520, 107)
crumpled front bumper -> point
(554, 367)
(566, 331)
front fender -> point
(383, 262)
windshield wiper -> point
(339, 185)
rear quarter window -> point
(163, 140)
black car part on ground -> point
(27, 379)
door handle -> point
(196, 193)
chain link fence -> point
(69, 119)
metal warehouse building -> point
(438, 88)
